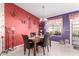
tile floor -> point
(56, 50)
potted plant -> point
(57, 33)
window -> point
(54, 26)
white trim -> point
(71, 32)
(18, 46)
(1, 26)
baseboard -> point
(18, 46)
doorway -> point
(74, 32)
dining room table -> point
(36, 39)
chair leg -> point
(43, 51)
(34, 51)
(50, 43)
(24, 51)
(37, 48)
(48, 48)
(28, 52)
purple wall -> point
(65, 31)
(66, 27)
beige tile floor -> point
(55, 50)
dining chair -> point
(27, 44)
(49, 38)
(43, 44)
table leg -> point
(34, 49)
(50, 42)
(47, 48)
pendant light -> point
(43, 18)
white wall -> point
(1, 24)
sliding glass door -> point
(75, 32)
(74, 28)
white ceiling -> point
(50, 9)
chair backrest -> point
(45, 39)
(25, 38)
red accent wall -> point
(15, 16)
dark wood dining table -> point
(36, 39)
